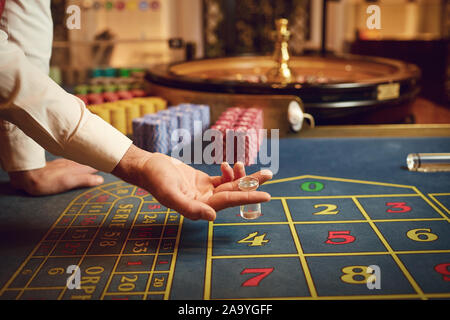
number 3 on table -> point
(397, 207)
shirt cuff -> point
(96, 143)
(18, 151)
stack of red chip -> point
(242, 134)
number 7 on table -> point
(254, 281)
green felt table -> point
(346, 220)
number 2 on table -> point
(330, 209)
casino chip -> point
(153, 132)
(241, 133)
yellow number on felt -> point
(425, 233)
(257, 240)
(141, 243)
(140, 246)
(80, 234)
(55, 271)
(110, 234)
(150, 218)
(127, 284)
(129, 278)
(158, 282)
(351, 271)
(139, 250)
(27, 271)
(330, 209)
(167, 246)
(111, 243)
(148, 221)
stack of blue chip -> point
(172, 124)
(184, 121)
(156, 134)
(196, 116)
(153, 132)
(205, 114)
(138, 132)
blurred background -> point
(129, 37)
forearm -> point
(131, 166)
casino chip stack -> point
(157, 132)
(120, 114)
(241, 132)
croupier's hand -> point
(186, 190)
(57, 176)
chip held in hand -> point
(249, 211)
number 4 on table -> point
(254, 240)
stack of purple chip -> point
(160, 132)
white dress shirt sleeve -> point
(55, 119)
(29, 25)
(18, 152)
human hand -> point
(57, 176)
(190, 192)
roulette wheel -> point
(334, 89)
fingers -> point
(190, 208)
(85, 169)
(222, 200)
(262, 176)
(229, 174)
(81, 181)
(239, 170)
(62, 183)
(70, 165)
